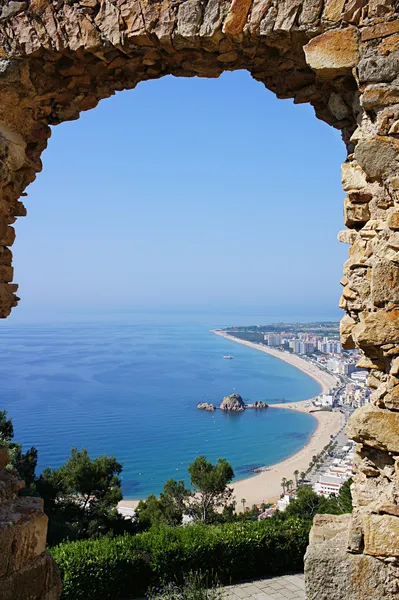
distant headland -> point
(232, 403)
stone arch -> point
(60, 57)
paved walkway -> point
(288, 587)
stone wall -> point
(27, 572)
(58, 58)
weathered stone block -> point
(376, 328)
(345, 329)
(333, 10)
(370, 363)
(326, 527)
(287, 12)
(6, 273)
(345, 236)
(23, 530)
(236, 17)
(377, 69)
(393, 221)
(355, 213)
(334, 52)
(391, 399)
(378, 95)
(381, 535)
(353, 178)
(378, 156)
(333, 574)
(385, 283)
(379, 30)
(310, 13)
(38, 580)
(375, 427)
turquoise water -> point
(130, 388)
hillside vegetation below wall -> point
(125, 567)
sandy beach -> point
(266, 486)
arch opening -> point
(62, 58)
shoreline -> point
(325, 380)
(266, 486)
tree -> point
(289, 485)
(296, 476)
(210, 487)
(6, 427)
(168, 509)
(210, 500)
(24, 463)
(302, 475)
(243, 501)
(284, 484)
(94, 482)
(305, 505)
(81, 496)
(340, 504)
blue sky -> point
(185, 194)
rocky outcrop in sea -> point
(206, 406)
(232, 403)
(258, 405)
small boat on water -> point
(229, 357)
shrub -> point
(126, 566)
(196, 586)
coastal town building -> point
(325, 400)
(273, 339)
(355, 394)
(300, 347)
(329, 346)
(284, 502)
(328, 485)
(332, 478)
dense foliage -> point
(112, 568)
(209, 500)
(307, 503)
(24, 463)
(80, 497)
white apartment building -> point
(273, 339)
(329, 346)
(300, 347)
(284, 502)
(325, 400)
(328, 485)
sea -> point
(129, 387)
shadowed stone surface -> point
(58, 58)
